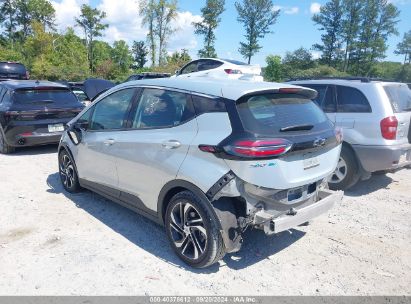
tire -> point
(347, 172)
(199, 244)
(4, 147)
(68, 173)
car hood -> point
(94, 87)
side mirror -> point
(75, 131)
(177, 72)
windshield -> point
(269, 114)
(45, 96)
(399, 96)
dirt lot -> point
(52, 243)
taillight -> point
(231, 71)
(338, 132)
(389, 127)
(259, 148)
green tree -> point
(121, 56)
(166, 12)
(140, 52)
(147, 10)
(299, 59)
(70, 55)
(91, 21)
(102, 51)
(274, 69)
(8, 19)
(404, 48)
(211, 19)
(29, 11)
(329, 20)
(379, 20)
(350, 27)
(257, 17)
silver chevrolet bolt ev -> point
(205, 158)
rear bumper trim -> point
(327, 200)
(378, 158)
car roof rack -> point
(353, 78)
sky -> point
(294, 27)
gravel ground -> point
(53, 243)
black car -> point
(34, 113)
(13, 70)
(148, 75)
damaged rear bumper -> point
(327, 199)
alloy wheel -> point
(340, 172)
(67, 171)
(187, 230)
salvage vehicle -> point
(34, 113)
(375, 117)
(205, 158)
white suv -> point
(206, 159)
(375, 117)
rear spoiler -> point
(305, 92)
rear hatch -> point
(399, 96)
(286, 140)
(41, 106)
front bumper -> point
(379, 158)
(327, 199)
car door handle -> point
(171, 144)
(109, 142)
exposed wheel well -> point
(167, 198)
(348, 146)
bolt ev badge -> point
(319, 142)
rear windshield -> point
(235, 62)
(12, 68)
(270, 114)
(46, 96)
(399, 96)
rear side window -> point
(162, 109)
(208, 64)
(351, 100)
(271, 114)
(207, 105)
(45, 96)
(190, 68)
(399, 96)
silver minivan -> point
(375, 118)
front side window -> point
(161, 109)
(110, 112)
(351, 100)
(325, 98)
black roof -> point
(26, 84)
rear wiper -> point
(297, 128)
